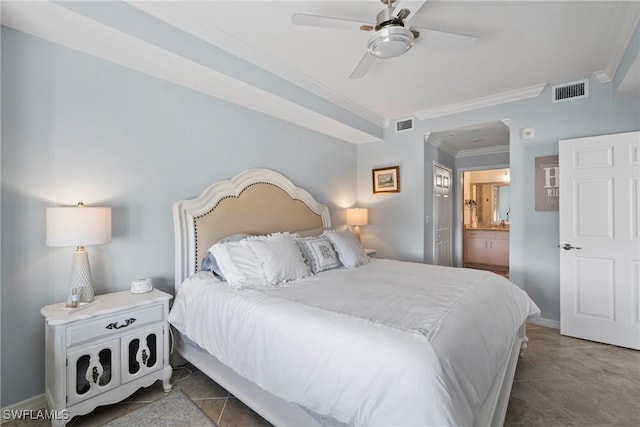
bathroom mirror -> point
(493, 202)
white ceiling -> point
(521, 46)
(485, 138)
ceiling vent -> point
(404, 125)
(570, 91)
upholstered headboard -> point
(257, 201)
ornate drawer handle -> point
(95, 375)
(114, 325)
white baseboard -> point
(541, 321)
(31, 404)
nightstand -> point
(370, 252)
(102, 352)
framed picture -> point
(386, 180)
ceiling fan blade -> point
(443, 39)
(328, 22)
(363, 66)
(415, 12)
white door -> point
(599, 238)
(442, 215)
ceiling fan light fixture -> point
(390, 41)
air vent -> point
(570, 91)
(404, 125)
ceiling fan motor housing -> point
(390, 41)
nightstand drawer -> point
(113, 324)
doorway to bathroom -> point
(475, 147)
(486, 202)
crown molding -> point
(175, 15)
(486, 101)
(483, 151)
(602, 76)
(630, 21)
(465, 153)
(439, 144)
(64, 27)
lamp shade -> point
(78, 226)
(357, 216)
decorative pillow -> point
(319, 253)
(280, 256)
(348, 247)
(239, 264)
(209, 262)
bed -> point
(385, 343)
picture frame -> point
(386, 180)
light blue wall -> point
(128, 19)
(78, 128)
(396, 225)
(397, 221)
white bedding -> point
(389, 343)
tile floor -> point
(563, 381)
(560, 381)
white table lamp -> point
(79, 226)
(357, 217)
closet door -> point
(442, 215)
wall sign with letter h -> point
(547, 189)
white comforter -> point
(389, 343)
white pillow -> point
(320, 253)
(239, 264)
(280, 256)
(209, 262)
(348, 247)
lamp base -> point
(81, 276)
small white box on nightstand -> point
(141, 286)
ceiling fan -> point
(391, 36)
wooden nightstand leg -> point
(166, 381)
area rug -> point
(173, 410)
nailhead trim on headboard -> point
(195, 224)
(187, 212)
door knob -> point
(568, 247)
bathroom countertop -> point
(488, 228)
